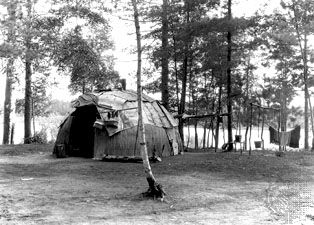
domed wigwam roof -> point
(125, 102)
(105, 123)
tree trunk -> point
(196, 135)
(218, 118)
(207, 109)
(165, 56)
(9, 79)
(246, 103)
(12, 134)
(305, 73)
(184, 77)
(251, 122)
(283, 102)
(204, 135)
(27, 105)
(176, 71)
(306, 97)
(33, 116)
(7, 102)
(188, 141)
(28, 78)
(155, 189)
(229, 101)
(312, 122)
(212, 124)
(183, 96)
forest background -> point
(265, 47)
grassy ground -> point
(202, 188)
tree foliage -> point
(87, 69)
(80, 49)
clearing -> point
(202, 188)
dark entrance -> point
(82, 131)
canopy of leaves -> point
(88, 71)
(40, 99)
(80, 50)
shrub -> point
(38, 138)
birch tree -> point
(155, 189)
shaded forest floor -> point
(202, 188)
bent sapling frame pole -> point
(155, 190)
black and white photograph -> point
(157, 112)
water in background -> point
(256, 136)
(49, 125)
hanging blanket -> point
(285, 138)
(273, 135)
(295, 137)
(290, 138)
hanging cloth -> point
(295, 137)
(285, 138)
(290, 138)
(273, 135)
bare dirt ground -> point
(202, 188)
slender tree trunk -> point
(33, 116)
(184, 77)
(9, 72)
(155, 189)
(196, 135)
(283, 103)
(7, 102)
(207, 109)
(251, 122)
(12, 134)
(212, 125)
(305, 73)
(28, 99)
(229, 101)
(176, 72)
(28, 78)
(213, 110)
(204, 135)
(183, 97)
(312, 121)
(188, 141)
(165, 56)
(246, 103)
(218, 118)
(306, 97)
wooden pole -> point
(188, 142)
(12, 134)
(263, 121)
(251, 121)
(278, 130)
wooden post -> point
(263, 121)
(251, 121)
(12, 134)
